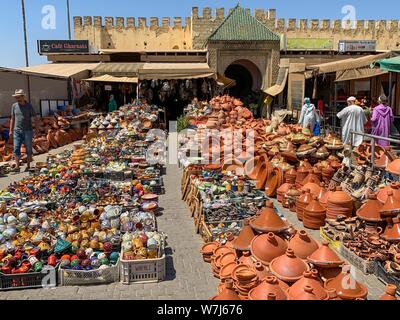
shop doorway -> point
(247, 75)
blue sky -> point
(12, 53)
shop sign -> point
(357, 45)
(63, 46)
(308, 44)
(108, 87)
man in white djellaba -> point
(353, 119)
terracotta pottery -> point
(302, 202)
(267, 247)
(230, 240)
(332, 294)
(246, 236)
(315, 188)
(302, 173)
(394, 167)
(288, 267)
(292, 196)
(290, 176)
(282, 190)
(228, 294)
(269, 286)
(382, 193)
(262, 176)
(246, 259)
(272, 184)
(328, 273)
(208, 248)
(323, 199)
(391, 206)
(226, 271)
(339, 203)
(306, 293)
(314, 215)
(312, 280)
(346, 286)
(262, 271)
(303, 245)
(390, 293)
(370, 211)
(325, 257)
(392, 231)
(221, 250)
(311, 178)
(268, 220)
(252, 167)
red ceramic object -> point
(282, 190)
(391, 207)
(394, 167)
(209, 248)
(246, 259)
(267, 247)
(346, 286)
(262, 176)
(311, 279)
(269, 286)
(226, 271)
(268, 220)
(314, 215)
(370, 211)
(311, 178)
(290, 176)
(302, 173)
(228, 294)
(392, 231)
(230, 243)
(306, 293)
(288, 267)
(332, 294)
(339, 203)
(390, 293)
(302, 202)
(315, 188)
(382, 194)
(325, 257)
(272, 184)
(52, 260)
(262, 271)
(246, 236)
(303, 245)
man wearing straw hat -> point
(21, 128)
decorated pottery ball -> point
(107, 247)
(104, 267)
(74, 249)
(75, 263)
(38, 266)
(19, 202)
(74, 257)
(89, 252)
(101, 256)
(66, 257)
(114, 256)
(64, 263)
(104, 261)
(86, 263)
(96, 263)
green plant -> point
(182, 123)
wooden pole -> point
(69, 20)
(26, 47)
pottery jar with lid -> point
(314, 215)
(290, 176)
(325, 257)
(288, 267)
(267, 247)
(267, 287)
(302, 173)
(315, 188)
(391, 208)
(382, 193)
(262, 271)
(282, 190)
(303, 245)
(292, 195)
(245, 237)
(339, 203)
(390, 293)
(268, 220)
(306, 293)
(246, 259)
(311, 279)
(392, 231)
(370, 211)
(302, 202)
(228, 294)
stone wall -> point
(131, 34)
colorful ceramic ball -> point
(64, 263)
(66, 257)
(75, 257)
(107, 247)
(96, 263)
(86, 263)
(104, 261)
(102, 256)
(114, 256)
(81, 253)
(75, 263)
(89, 252)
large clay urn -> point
(346, 286)
(288, 267)
(390, 293)
(269, 220)
(269, 286)
(370, 211)
(246, 236)
(311, 279)
(339, 203)
(391, 208)
(325, 257)
(303, 245)
(314, 215)
(392, 231)
(267, 247)
(228, 294)
(302, 202)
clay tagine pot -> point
(302, 202)
(394, 167)
(228, 294)
(269, 286)
(339, 203)
(370, 211)
(288, 267)
(262, 271)
(346, 286)
(325, 257)
(314, 215)
(269, 221)
(391, 208)
(246, 236)
(267, 247)
(392, 231)
(306, 293)
(303, 245)
(390, 293)
(382, 193)
(311, 279)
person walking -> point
(112, 105)
(309, 116)
(21, 127)
(382, 119)
(353, 119)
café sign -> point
(357, 45)
(63, 46)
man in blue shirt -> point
(21, 127)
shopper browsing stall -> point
(309, 116)
(112, 105)
(353, 119)
(382, 119)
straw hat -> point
(19, 93)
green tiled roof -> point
(239, 25)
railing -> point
(372, 138)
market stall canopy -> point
(281, 80)
(118, 69)
(171, 71)
(391, 64)
(60, 70)
(344, 65)
(360, 73)
(108, 78)
(225, 81)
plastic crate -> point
(143, 271)
(385, 277)
(92, 277)
(47, 278)
(367, 267)
(336, 245)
